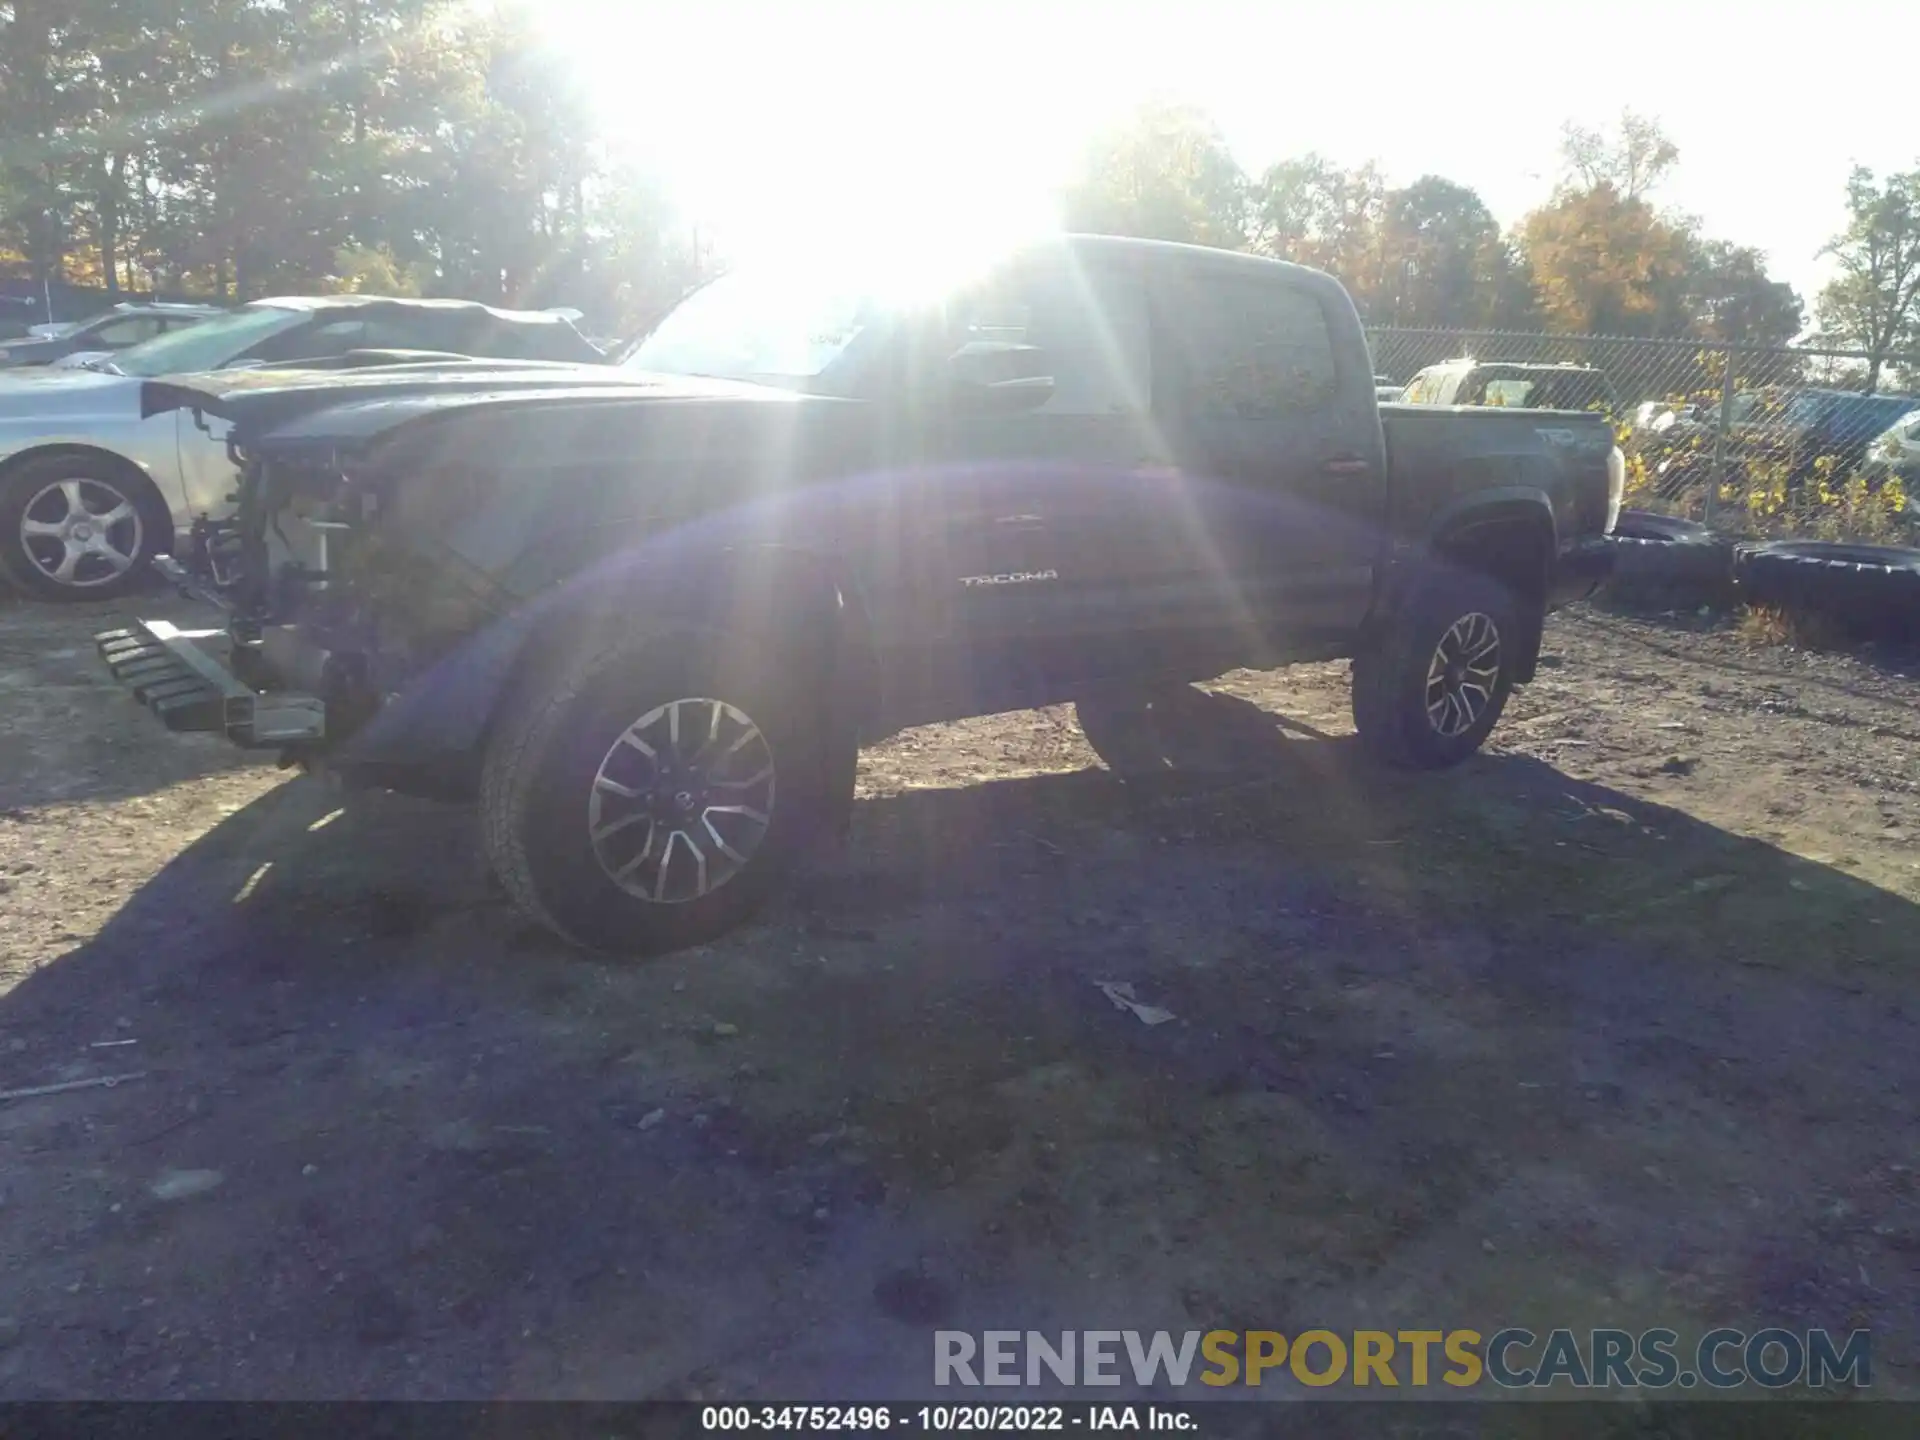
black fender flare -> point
(440, 720)
(1497, 505)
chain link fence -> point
(1783, 442)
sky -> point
(773, 124)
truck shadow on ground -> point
(458, 1159)
(1206, 767)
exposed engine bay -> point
(333, 589)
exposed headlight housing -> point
(1616, 486)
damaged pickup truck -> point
(646, 619)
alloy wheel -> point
(81, 532)
(682, 800)
(1463, 674)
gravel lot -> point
(1614, 1025)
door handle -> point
(1345, 465)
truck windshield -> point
(766, 327)
(208, 345)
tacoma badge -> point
(1023, 577)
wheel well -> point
(138, 482)
(791, 601)
(1517, 550)
(1513, 549)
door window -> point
(1247, 350)
(309, 342)
(118, 334)
(1507, 392)
(416, 330)
(1091, 325)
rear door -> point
(1281, 496)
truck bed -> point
(1460, 450)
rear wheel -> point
(650, 799)
(79, 527)
(1428, 692)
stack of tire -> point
(1868, 590)
(1664, 561)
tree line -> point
(233, 148)
(1599, 257)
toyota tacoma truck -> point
(646, 622)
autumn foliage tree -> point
(237, 147)
(1312, 212)
(1446, 264)
(1600, 257)
(1165, 174)
(1604, 263)
(1875, 301)
(1605, 259)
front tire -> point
(650, 798)
(1430, 689)
(79, 527)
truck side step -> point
(181, 676)
(161, 680)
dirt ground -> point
(1614, 1025)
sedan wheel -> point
(82, 533)
(75, 527)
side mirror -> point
(1000, 376)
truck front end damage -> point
(318, 614)
(188, 679)
(329, 590)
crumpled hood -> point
(49, 393)
(356, 405)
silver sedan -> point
(91, 490)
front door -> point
(1032, 495)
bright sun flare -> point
(784, 140)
